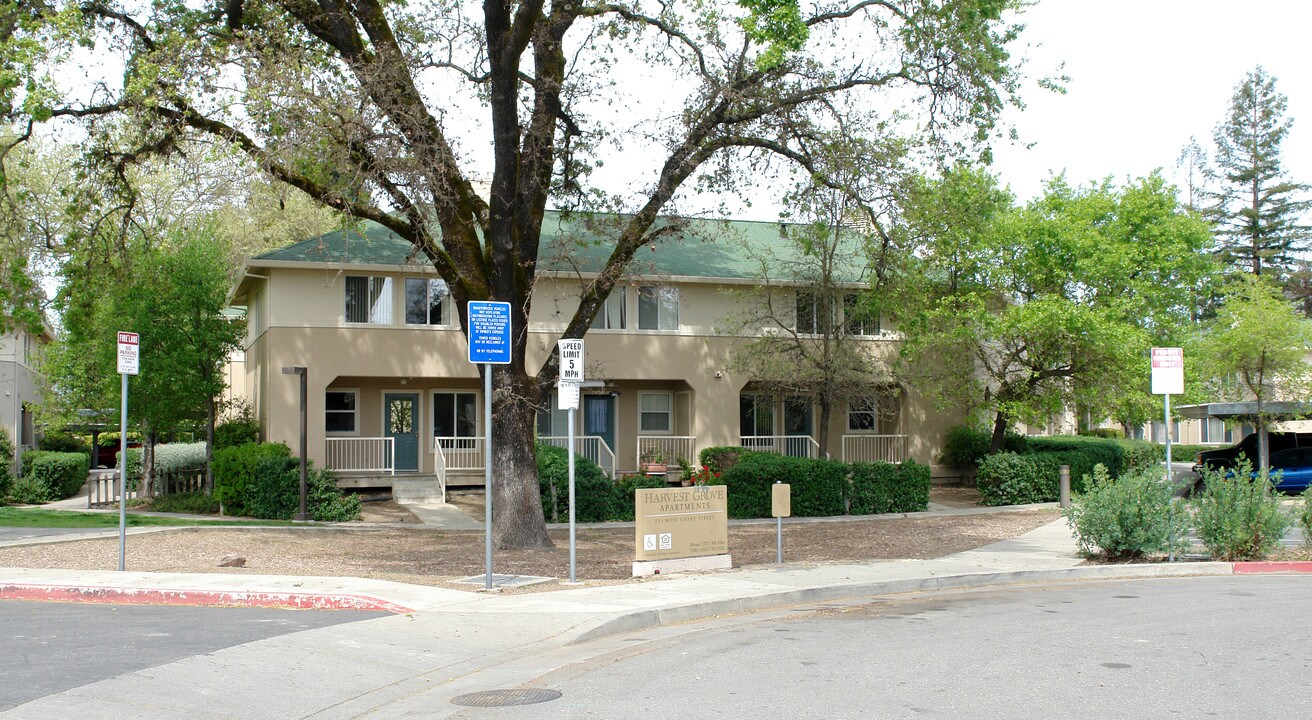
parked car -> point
(1291, 469)
(1229, 456)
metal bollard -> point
(1064, 492)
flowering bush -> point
(702, 476)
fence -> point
(102, 485)
(793, 445)
(363, 454)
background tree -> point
(380, 111)
(1255, 207)
(1022, 313)
(1256, 350)
(811, 308)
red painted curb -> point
(223, 598)
(1288, 567)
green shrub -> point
(818, 486)
(1127, 516)
(1082, 453)
(1303, 515)
(6, 463)
(327, 502)
(189, 503)
(1009, 478)
(723, 457)
(886, 488)
(61, 441)
(1142, 455)
(628, 486)
(964, 447)
(1238, 516)
(179, 456)
(1102, 432)
(136, 461)
(273, 492)
(1183, 453)
(236, 467)
(596, 498)
(28, 490)
(238, 430)
(62, 474)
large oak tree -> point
(390, 111)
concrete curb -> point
(224, 598)
(645, 619)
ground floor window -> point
(455, 414)
(654, 410)
(755, 415)
(341, 408)
(863, 416)
(552, 421)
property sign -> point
(567, 396)
(571, 360)
(681, 522)
(781, 500)
(129, 353)
(489, 332)
(1168, 371)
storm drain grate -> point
(505, 580)
(505, 698)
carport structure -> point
(1260, 415)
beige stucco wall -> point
(297, 317)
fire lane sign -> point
(129, 353)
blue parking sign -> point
(489, 332)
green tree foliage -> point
(1256, 208)
(386, 111)
(1018, 313)
(1255, 350)
(172, 296)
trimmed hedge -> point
(237, 467)
(61, 474)
(6, 463)
(273, 492)
(886, 488)
(1010, 478)
(818, 486)
(964, 447)
(723, 457)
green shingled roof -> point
(582, 242)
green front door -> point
(599, 418)
(402, 420)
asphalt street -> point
(52, 647)
(1185, 647)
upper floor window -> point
(611, 314)
(658, 308)
(813, 313)
(369, 299)
(859, 317)
(426, 302)
(340, 409)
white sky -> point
(1146, 75)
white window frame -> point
(667, 303)
(616, 304)
(872, 409)
(379, 313)
(668, 412)
(355, 414)
(445, 310)
(433, 407)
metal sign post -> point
(489, 344)
(567, 394)
(1167, 380)
(129, 363)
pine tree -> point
(1255, 207)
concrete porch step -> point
(414, 491)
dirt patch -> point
(428, 556)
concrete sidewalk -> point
(439, 643)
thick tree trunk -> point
(517, 520)
(999, 432)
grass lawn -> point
(38, 517)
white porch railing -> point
(793, 445)
(458, 453)
(363, 454)
(668, 448)
(592, 447)
(875, 448)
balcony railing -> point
(875, 448)
(362, 454)
(667, 449)
(592, 447)
(793, 445)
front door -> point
(599, 418)
(402, 421)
